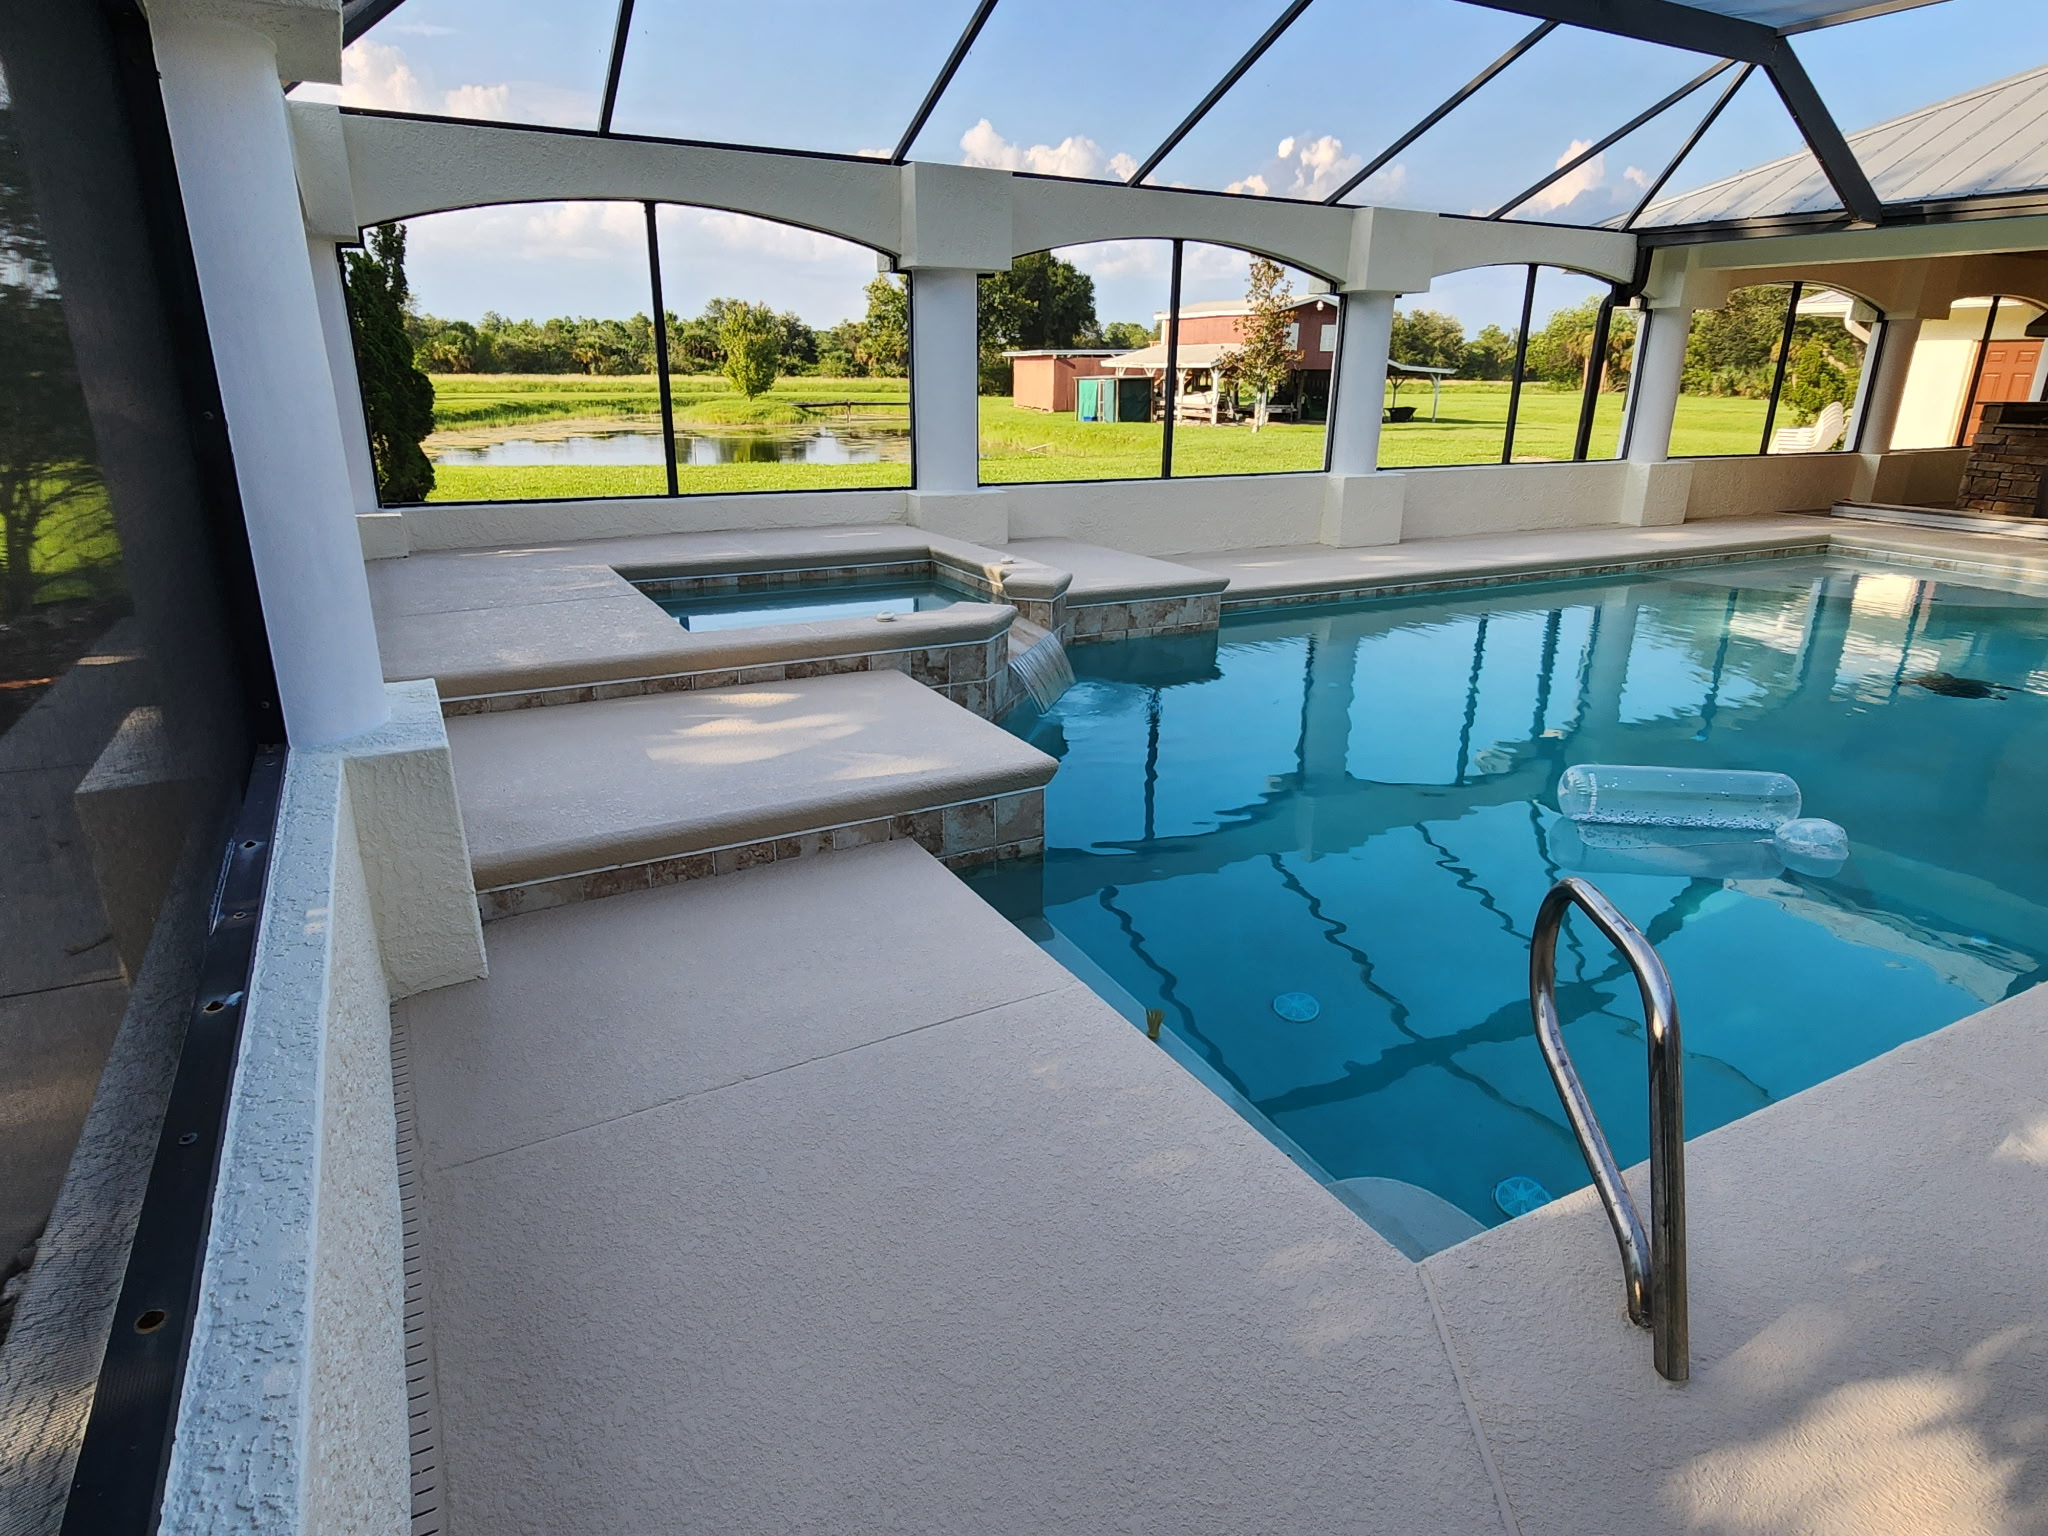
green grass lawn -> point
(1019, 446)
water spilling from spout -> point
(1044, 671)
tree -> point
(1817, 376)
(1733, 350)
(884, 346)
(1561, 352)
(1489, 355)
(1127, 334)
(750, 336)
(1264, 359)
(398, 399)
(52, 502)
(1040, 302)
(797, 342)
(837, 350)
(1425, 338)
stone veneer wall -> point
(2007, 461)
(1093, 623)
(960, 836)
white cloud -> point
(1320, 166)
(1636, 176)
(1072, 156)
(488, 101)
(1567, 189)
(742, 232)
(373, 74)
(1311, 168)
(379, 75)
(537, 231)
(1120, 258)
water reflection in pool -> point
(1357, 804)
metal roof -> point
(1802, 15)
(1986, 141)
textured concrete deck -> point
(547, 793)
(1317, 571)
(1104, 575)
(817, 1199)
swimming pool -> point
(851, 598)
(1356, 803)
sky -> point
(1073, 87)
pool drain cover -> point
(1296, 1007)
(1518, 1195)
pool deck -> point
(817, 1198)
(860, 1213)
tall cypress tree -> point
(398, 399)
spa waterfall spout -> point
(1044, 671)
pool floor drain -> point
(1296, 1007)
(1519, 1194)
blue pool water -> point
(1356, 804)
(798, 605)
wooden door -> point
(2008, 374)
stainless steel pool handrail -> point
(1653, 1270)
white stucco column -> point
(945, 366)
(1361, 392)
(341, 366)
(1653, 390)
(226, 112)
(1887, 386)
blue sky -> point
(1080, 88)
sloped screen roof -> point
(1562, 111)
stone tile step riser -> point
(962, 836)
(953, 670)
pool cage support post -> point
(1977, 372)
(661, 364)
(1596, 373)
(1171, 388)
(1507, 441)
(1784, 361)
(1653, 1265)
(1359, 404)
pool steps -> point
(590, 800)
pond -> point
(792, 445)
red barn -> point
(1044, 380)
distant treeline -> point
(1558, 354)
(1041, 302)
(1732, 350)
(877, 344)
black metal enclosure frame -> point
(95, 90)
(1729, 40)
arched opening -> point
(1986, 350)
(1777, 368)
(1138, 359)
(1499, 365)
(601, 349)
